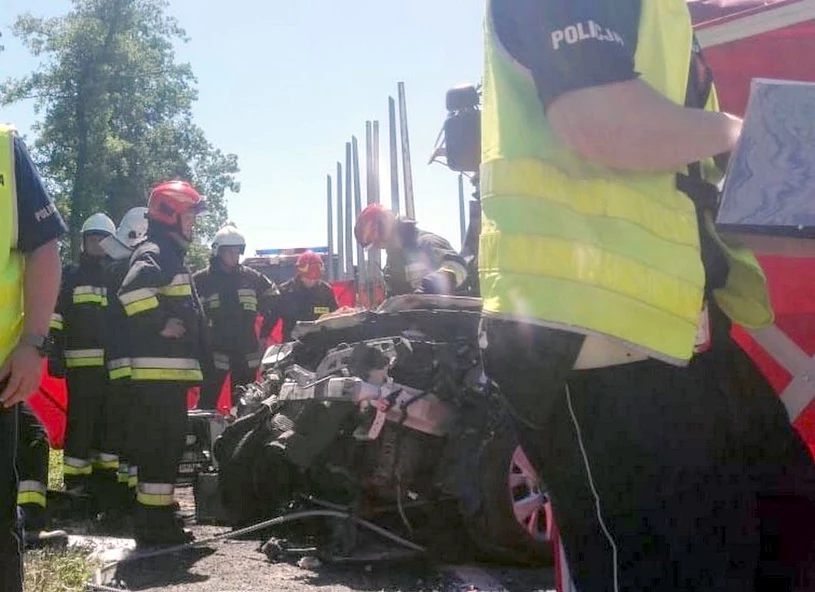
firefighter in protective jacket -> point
(232, 295)
(120, 411)
(418, 261)
(306, 297)
(78, 355)
(163, 346)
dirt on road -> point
(240, 566)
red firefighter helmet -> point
(310, 266)
(374, 225)
(170, 199)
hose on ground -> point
(101, 588)
(254, 528)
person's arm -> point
(268, 306)
(452, 269)
(40, 227)
(41, 286)
(592, 94)
(630, 126)
(331, 298)
(139, 293)
(43, 270)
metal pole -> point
(407, 171)
(394, 154)
(329, 265)
(376, 255)
(369, 159)
(375, 163)
(462, 204)
(340, 227)
(349, 215)
(361, 267)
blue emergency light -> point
(289, 252)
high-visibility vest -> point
(11, 261)
(572, 245)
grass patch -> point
(57, 571)
(55, 478)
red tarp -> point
(746, 39)
(50, 402)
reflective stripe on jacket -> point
(232, 300)
(78, 324)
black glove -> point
(55, 367)
(438, 282)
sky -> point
(286, 88)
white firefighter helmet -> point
(228, 236)
(98, 223)
(133, 227)
(132, 230)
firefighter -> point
(77, 327)
(418, 261)
(119, 412)
(162, 340)
(306, 297)
(232, 295)
(32, 469)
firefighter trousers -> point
(161, 429)
(32, 468)
(87, 393)
(240, 371)
(119, 430)
(11, 566)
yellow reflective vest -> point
(571, 245)
(11, 261)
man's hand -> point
(173, 329)
(23, 370)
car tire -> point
(508, 484)
(236, 479)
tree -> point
(115, 111)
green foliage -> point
(198, 256)
(57, 571)
(56, 478)
(115, 111)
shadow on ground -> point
(158, 572)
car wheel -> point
(514, 521)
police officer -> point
(32, 467)
(30, 227)
(120, 410)
(601, 277)
(162, 341)
(305, 297)
(232, 295)
(77, 327)
(418, 261)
